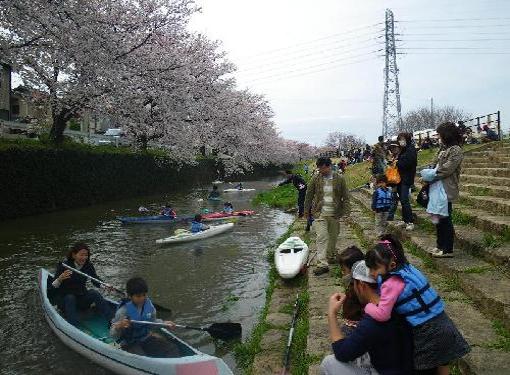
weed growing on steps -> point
(477, 270)
(503, 342)
(460, 218)
(479, 191)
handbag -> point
(423, 196)
(392, 175)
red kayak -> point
(222, 215)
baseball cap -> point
(361, 272)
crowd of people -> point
(394, 321)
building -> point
(5, 91)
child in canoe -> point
(197, 225)
(228, 208)
(70, 289)
(140, 338)
(168, 211)
(214, 193)
(406, 291)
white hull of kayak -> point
(212, 231)
(118, 360)
(290, 257)
(237, 190)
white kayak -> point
(290, 257)
(187, 236)
(92, 340)
(237, 190)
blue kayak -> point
(158, 219)
(215, 199)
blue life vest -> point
(418, 302)
(137, 332)
(383, 199)
(196, 226)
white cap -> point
(361, 272)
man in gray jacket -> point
(327, 200)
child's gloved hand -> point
(123, 324)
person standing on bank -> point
(327, 200)
(449, 161)
(406, 164)
(300, 184)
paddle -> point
(120, 291)
(286, 360)
(223, 331)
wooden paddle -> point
(223, 331)
(120, 291)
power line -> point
(331, 36)
(331, 67)
(453, 53)
(310, 57)
(454, 19)
(454, 40)
(459, 26)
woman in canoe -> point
(70, 288)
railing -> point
(492, 120)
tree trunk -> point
(57, 129)
(142, 141)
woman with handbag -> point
(406, 166)
(449, 161)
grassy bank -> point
(246, 352)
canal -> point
(219, 279)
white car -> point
(112, 136)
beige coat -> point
(315, 196)
(449, 162)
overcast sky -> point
(320, 63)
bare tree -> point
(344, 141)
(422, 118)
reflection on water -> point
(215, 280)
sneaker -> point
(399, 223)
(410, 226)
(433, 251)
(320, 270)
(442, 254)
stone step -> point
(500, 206)
(493, 159)
(491, 172)
(468, 238)
(478, 331)
(486, 190)
(477, 179)
(497, 224)
(495, 152)
(485, 164)
(485, 285)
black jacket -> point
(76, 284)
(296, 180)
(406, 164)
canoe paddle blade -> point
(225, 331)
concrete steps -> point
(476, 179)
(500, 206)
(490, 172)
(500, 191)
(480, 163)
(468, 303)
(469, 238)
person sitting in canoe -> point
(168, 211)
(214, 193)
(239, 186)
(138, 338)
(70, 289)
(197, 225)
(228, 208)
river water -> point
(219, 279)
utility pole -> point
(432, 113)
(392, 116)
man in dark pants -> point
(300, 185)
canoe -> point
(188, 236)
(215, 199)
(158, 219)
(224, 216)
(92, 340)
(238, 190)
(290, 257)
